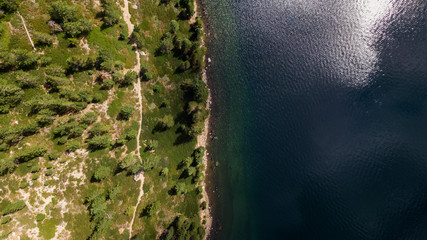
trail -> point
(26, 30)
(137, 86)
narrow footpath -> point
(137, 87)
(26, 30)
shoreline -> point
(202, 139)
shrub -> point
(10, 96)
(99, 142)
(35, 168)
(203, 205)
(166, 122)
(23, 184)
(80, 62)
(40, 217)
(127, 136)
(72, 146)
(101, 173)
(49, 172)
(76, 29)
(150, 162)
(113, 192)
(152, 209)
(26, 80)
(35, 176)
(62, 12)
(89, 118)
(53, 155)
(13, 207)
(9, 6)
(130, 77)
(42, 39)
(152, 144)
(111, 12)
(29, 153)
(98, 129)
(45, 117)
(164, 172)
(107, 84)
(148, 76)
(126, 112)
(6, 219)
(127, 162)
(174, 26)
(49, 165)
(118, 78)
(180, 188)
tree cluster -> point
(68, 17)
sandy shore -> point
(202, 141)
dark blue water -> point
(320, 113)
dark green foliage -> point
(184, 228)
(148, 76)
(107, 84)
(35, 176)
(111, 14)
(72, 146)
(99, 142)
(166, 122)
(49, 165)
(114, 192)
(179, 188)
(101, 173)
(18, 59)
(97, 206)
(152, 144)
(45, 117)
(58, 105)
(126, 136)
(25, 80)
(80, 63)
(27, 154)
(174, 26)
(42, 39)
(72, 129)
(40, 217)
(23, 184)
(118, 78)
(6, 219)
(187, 8)
(128, 161)
(12, 135)
(9, 6)
(150, 162)
(10, 96)
(6, 166)
(151, 209)
(13, 207)
(166, 44)
(126, 112)
(61, 12)
(89, 118)
(35, 168)
(164, 172)
(53, 155)
(49, 172)
(130, 77)
(98, 129)
(78, 28)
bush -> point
(99, 142)
(72, 146)
(76, 29)
(49, 166)
(152, 209)
(130, 77)
(9, 6)
(111, 12)
(35, 176)
(180, 188)
(23, 184)
(13, 207)
(127, 162)
(40, 217)
(49, 172)
(164, 172)
(203, 205)
(174, 26)
(126, 112)
(89, 118)
(148, 76)
(152, 144)
(61, 12)
(25, 80)
(166, 122)
(98, 129)
(29, 153)
(10, 96)
(101, 173)
(42, 39)
(6, 219)
(35, 168)
(113, 192)
(53, 155)
(80, 63)
(150, 162)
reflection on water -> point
(321, 112)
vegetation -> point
(70, 129)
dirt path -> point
(26, 30)
(137, 86)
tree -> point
(98, 129)
(61, 12)
(78, 28)
(130, 77)
(29, 154)
(126, 112)
(80, 62)
(26, 80)
(42, 39)
(174, 26)
(10, 96)
(9, 6)
(111, 12)
(99, 142)
(89, 118)
(127, 162)
(101, 173)
(164, 172)
(166, 122)
(152, 144)
(180, 188)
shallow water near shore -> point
(320, 118)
